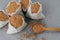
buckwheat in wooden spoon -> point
(38, 27)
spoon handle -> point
(52, 29)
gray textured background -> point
(51, 8)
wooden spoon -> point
(38, 28)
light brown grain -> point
(28, 35)
(35, 7)
(16, 21)
(13, 6)
(24, 3)
(37, 27)
(3, 17)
